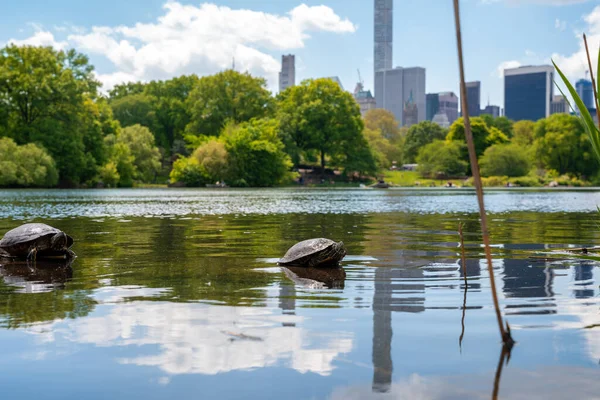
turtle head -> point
(339, 251)
(59, 241)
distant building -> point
(336, 80)
(364, 98)
(383, 35)
(494, 111)
(448, 104)
(432, 105)
(441, 119)
(474, 98)
(287, 76)
(394, 87)
(410, 112)
(559, 105)
(586, 92)
(528, 92)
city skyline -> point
(328, 40)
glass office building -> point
(528, 92)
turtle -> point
(316, 252)
(28, 240)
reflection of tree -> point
(33, 293)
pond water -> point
(176, 294)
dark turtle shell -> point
(18, 241)
(313, 252)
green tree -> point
(523, 133)
(318, 117)
(441, 159)
(214, 159)
(26, 166)
(256, 154)
(109, 174)
(379, 119)
(226, 96)
(170, 109)
(146, 157)
(126, 89)
(419, 135)
(505, 160)
(120, 155)
(188, 171)
(561, 144)
(483, 136)
(502, 123)
(137, 108)
(44, 93)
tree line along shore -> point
(57, 129)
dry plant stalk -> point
(505, 334)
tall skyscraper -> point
(394, 88)
(586, 93)
(432, 105)
(528, 92)
(287, 76)
(474, 98)
(383, 34)
(559, 105)
(448, 104)
(494, 111)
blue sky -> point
(152, 39)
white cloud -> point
(575, 65)
(506, 65)
(560, 25)
(40, 38)
(204, 40)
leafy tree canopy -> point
(505, 160)
(419, 135)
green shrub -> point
(189, 172)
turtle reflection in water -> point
(36, 240)
(316, 278)
(47, 275)
(318, 252)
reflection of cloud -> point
(515, 384)
(202, 339)
(582, 314)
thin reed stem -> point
(475, 172)
(587, 51)
(462, 252)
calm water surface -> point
(176, 294)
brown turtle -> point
(29, 240)
(317, 252)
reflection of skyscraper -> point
(522, 280)
(473, 269)
(395, 290)
(583, 273)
